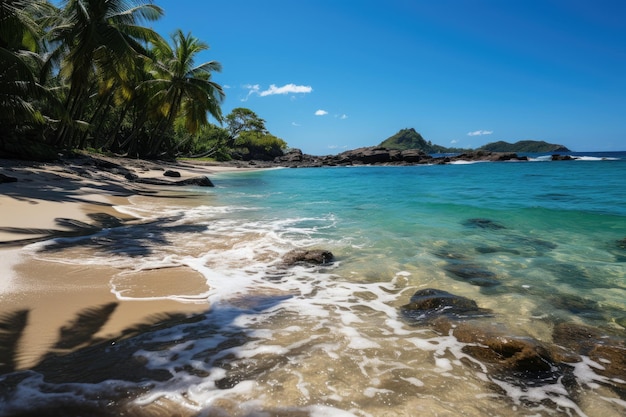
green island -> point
(410, 139)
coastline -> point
(77, 197)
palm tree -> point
(182, 89)
(99, 41)
(20, 44)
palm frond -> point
(86, 324)
(12, 327)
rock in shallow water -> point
(472, 274)
(308, 256)
(430, 303)
(483, 224)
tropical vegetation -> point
(92, 74)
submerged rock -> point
(484, 224)
(517, 358)
(472, 274)
(620, 250)
(430, 303)
(606, 350)
(448, 254)
(308, 256)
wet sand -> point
(74, 197)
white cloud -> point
(274, 90)
(295, 124)
(343, 116)
(480, 132)
(286, 89)
(321, 112)
(252, 89)
(337, 147)
(453, 141)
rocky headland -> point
(378, 155)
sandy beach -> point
(76, 197)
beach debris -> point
(308, 256)
(427, 304)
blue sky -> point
(331, 75)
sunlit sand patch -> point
(178, 282)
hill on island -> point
(526, 146)
(410, 139)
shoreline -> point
(70, 198)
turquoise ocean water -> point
(539, 244)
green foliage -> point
(259, 145)
(244, 137)
(524, 146)
(209, 141)
(243, 120)
(89, 75)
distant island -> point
(410, 139)
(524, 146)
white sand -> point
(54, 293)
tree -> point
(180, 88)
(98, 40)
(249, 138)
(20, 61)
(243, 120)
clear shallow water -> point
(543, 238)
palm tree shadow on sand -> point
(79, 358)
(124, 237)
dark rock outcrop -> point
(557, 157)
(608, 351)
(200, 181)
(308, 256)
(379, 155)
(517, 358)
(430, 303)
(171, 173)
